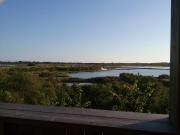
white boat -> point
(103, 69)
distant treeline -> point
(52, 68)
(165, 64)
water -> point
(80, 84)
(150, 71)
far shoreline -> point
(160, 64)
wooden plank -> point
(71, 129)
(1, 127)
(175, 64)
(81, 111)
(84, 117)
(32, 129)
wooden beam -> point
(175, 64)
(33, 118)
(1, 127)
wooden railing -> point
(17, 119)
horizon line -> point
(25, 61)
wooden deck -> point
(18, 119)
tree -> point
(23, 87)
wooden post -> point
(175, 64)
(1, 127)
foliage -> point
(31, 64)
(21, 88)
(164, 76)
(127, 92)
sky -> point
(85, 30)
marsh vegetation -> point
(47, 85)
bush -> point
(23, 87)
(31, 64)
(164, 77)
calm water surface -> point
(155, 71)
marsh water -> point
(146, 71)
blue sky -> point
(85, 30)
